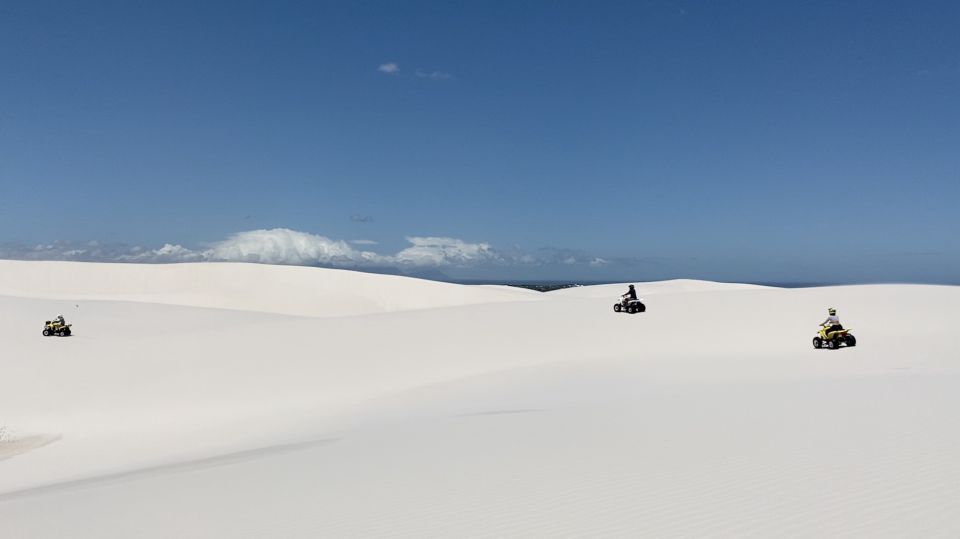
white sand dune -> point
(608, 291)
(454, 411)
(247, 287)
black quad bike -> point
(630, 306)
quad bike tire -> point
(851, 341)
(631, 309)
(617, 308)
(833, 344)
(817, 343)
(46, 332)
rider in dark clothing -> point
(630, 295)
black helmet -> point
(631, 286)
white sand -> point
(233, 400)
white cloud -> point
(390, 68)
(435, 251)
(434, 75)
(167, 253)
(292, 247)
(285, 246)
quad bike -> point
(56, 328)
(630, 306)
(833, 339)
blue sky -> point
(760, 141)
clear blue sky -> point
(754, 140)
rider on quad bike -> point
(58, 326)
(832, 334)
(629, 303)
(630, 295)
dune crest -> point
(291, 290)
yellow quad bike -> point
(56, 328)
(833, 339)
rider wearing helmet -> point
(59, 319)
(629, 296)
(833, 321)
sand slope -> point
(482, 412)
(247, 287)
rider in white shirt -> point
(833, 321)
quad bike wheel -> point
(631, 309)
(833, 344)
(851, 340)
(817, 343)
(616, 307)
(46, 332)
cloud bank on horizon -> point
(293, 247)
